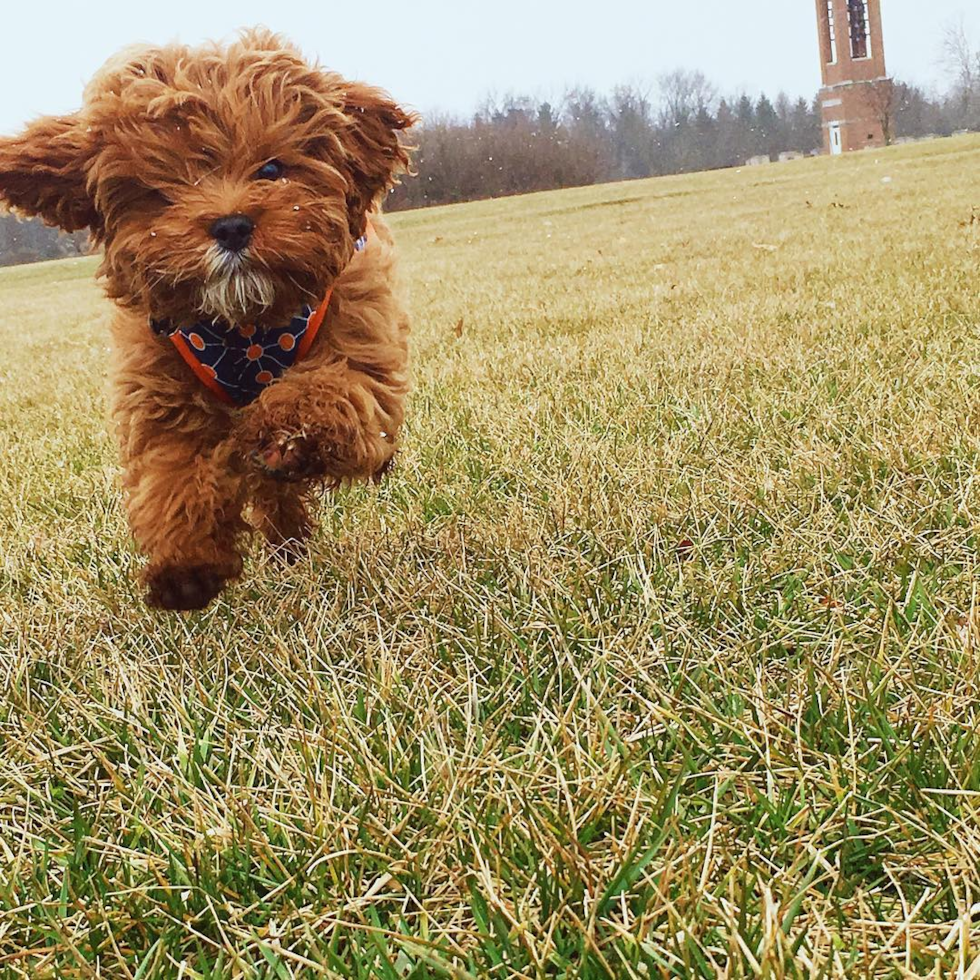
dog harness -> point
(236, 363)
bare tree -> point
(962, 63)
(880, 95)
(683, 95)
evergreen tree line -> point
(520, 144)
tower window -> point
(860, 28)
(831, 33)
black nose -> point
(232, 232)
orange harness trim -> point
(237, 363)
(207, 374)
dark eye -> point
(270, 171)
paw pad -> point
(288, 458)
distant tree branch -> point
(880, 95)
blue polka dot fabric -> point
(236, 363)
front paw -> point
(290, 458)
(311, 443)
(182, 588)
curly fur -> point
(168, 139)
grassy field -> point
(656, 657)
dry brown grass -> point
(657, 656)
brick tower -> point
(855, 96)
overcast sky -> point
(442, 55)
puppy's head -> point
(224, 181)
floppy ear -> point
(43, 172)
(375, 155)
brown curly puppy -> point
(259, 350)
